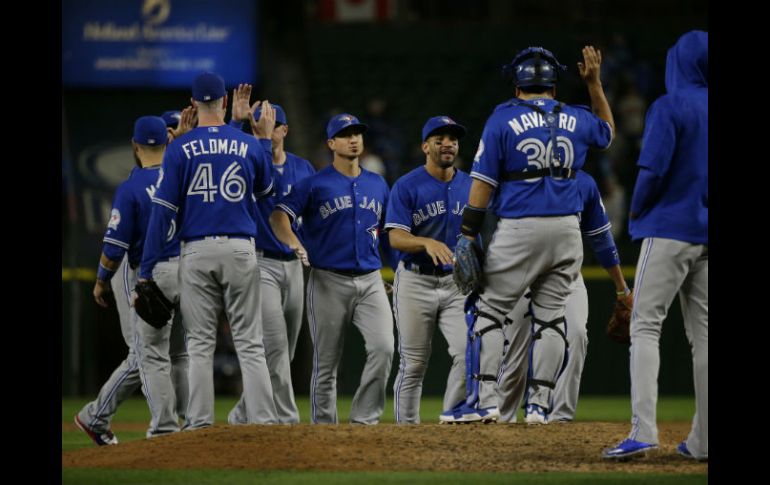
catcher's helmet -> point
(534, 66)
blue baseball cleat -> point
(468, 414)
(627, 449)
(534, 414)
(682, 450)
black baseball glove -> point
(467, 270)
(151, 304)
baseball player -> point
(156, 357)
(342, 208)
(529, 151)
(209, 176)
(423, 223)
(520, 340)
(282, 284)
(669, 212)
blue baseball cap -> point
(340, 122)
(150, 130)
(280, 116)
(172, 118)
(443, 124)
(208, 86)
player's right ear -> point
(425, 148)
(330, 143)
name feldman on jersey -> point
(215, 147)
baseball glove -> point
(467, 270)
(151, 304)
(619, 326)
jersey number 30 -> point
(231, 185)
(539, 155)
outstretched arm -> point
(590, 69)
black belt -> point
(560, 172)
(432, 270)
(226, 236)
(351, 272)
(279, 256)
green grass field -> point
(590, 408)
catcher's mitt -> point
(151, 304)
(467, 265)
(619, 326)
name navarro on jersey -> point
(434, 209)
(215, 147)
(346, 202)
(536, 120)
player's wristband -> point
(473, 219)
(104, 273)
(625, 292)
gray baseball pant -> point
(513, 371)
(666, 267)
(333, 301)
(420, 302)
(543, 254)
(282, 288)
(220, 274)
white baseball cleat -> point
(534, 414)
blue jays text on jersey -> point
(209, 177)
(341, 217)
(516, 139)
(427, 207)
(285, 177)
(130, 215)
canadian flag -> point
(356, 10)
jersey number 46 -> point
(231, 185)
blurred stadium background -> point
(393, 63)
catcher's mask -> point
(534, 66)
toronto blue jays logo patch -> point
(374, 231)
(114, 219)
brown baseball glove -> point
(619, 326)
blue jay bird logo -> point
(374, 231)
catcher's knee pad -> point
(538, 327)
(473, 373)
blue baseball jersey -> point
(593, 218)
(341, 216)
(285, 177)
(675, 148)
(130, 215)
(516, 139)
(209, 177)
(426, 207)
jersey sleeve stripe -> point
(484, 178)
(116, 242)
(609, 128)
(600, 230)
(165, 204)
(287, 210)
(393, 225)
(266, 191)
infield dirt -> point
(573, 447)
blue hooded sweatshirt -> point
(671, 194)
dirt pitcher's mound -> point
(430, 447)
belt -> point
(234, 236)
(279, 256)
(169, 260)
(349, 272)
(432, 271)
